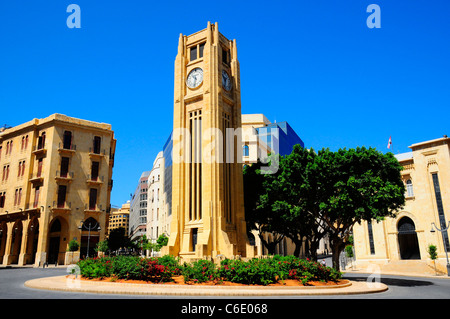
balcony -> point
(36, 178)
(96, 153)
(65, 207)
(39, 150)
(67, 149)
(64, 177)
(93, 208)
(95, 180)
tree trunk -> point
(335, 258)
(298, 246)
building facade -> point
(138, 208)
(154, 218)
(56, 180)
(405, 239)
(120, 218)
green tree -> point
(325, 193)
(258, 201)
(432, 252)
(355, 185)
(118, 239)
(102, 246)
(162, 241)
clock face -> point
(226, 81)
(195, 78)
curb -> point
(63, 283)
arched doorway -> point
(407, 239)
(3, 236)
(54, 241)
(33, 236)
(90, 235)
(16, 242)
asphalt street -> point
(12, 290)
(12, 287)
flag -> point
(390, 142)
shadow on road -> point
(397, 281)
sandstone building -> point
(403, 241)
(119, 218)
(55, 185)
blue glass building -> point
(282, 131)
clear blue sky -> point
(315, 64)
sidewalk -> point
(399, 269)
(63, 283)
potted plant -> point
(72, 247)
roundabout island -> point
(70, 283)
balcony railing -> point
(93, 208)
(37, 177)
(95, 179)
(65, 206)
(68, 149)
(98, 152)
(38, 149)
(64, 176)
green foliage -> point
(255, 271)
(349, 251)
(118, 238)
(199, 271)
(95, 267)
(432, 251)
(73, 245)
(314, 194)
(102, 246)
(162, 241)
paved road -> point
(13, 294)
(12, 287)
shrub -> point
(254, 271)
(172, 264)
(95, 267)
(199, 271)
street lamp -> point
(89, 227)
(443, 240)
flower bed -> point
(256, 271)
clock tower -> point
(207, 183)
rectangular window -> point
(39, 170)
(64, 166)
(36, 197)
(194, 238)
(67, 143)
(2, 199)
(371, 242)
(92, 198)
(440, 208)
(201, 48)
(225, 56)
(97, 144)
(18, 197)
(62, 190)
(94, 170)
(193, 53)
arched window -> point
(91, 224)
(56, 226)
(409, 188)
(245, 150)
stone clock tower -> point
(207, 191)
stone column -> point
(6, 257)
